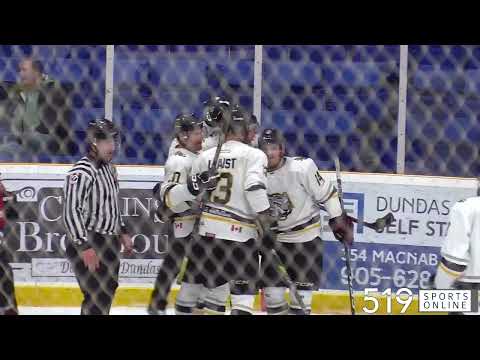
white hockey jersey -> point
(462, 244)
(229, 214)
(177, 168)
(297, 188)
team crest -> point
(281, 205)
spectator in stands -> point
(35, 114)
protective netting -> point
(44, 107)
(335, 99)
(153, 84)
(442, 110)
(341, 99)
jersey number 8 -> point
(223, 192)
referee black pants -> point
(8, 302)
(98, 287)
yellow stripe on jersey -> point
(308, 228)
(211, 312)
(333, 195)
(450, 271)
(183, 218)
(227, 220)
(168, 202)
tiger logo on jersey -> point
(280, 205)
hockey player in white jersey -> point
(459, 266)
(242, 295)
(228, 225)
(296, 189)
(179, 216)
(210, 140)
(210, 129)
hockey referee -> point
(93, 222)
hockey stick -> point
(221, 140)
(293, 288)
(347, 250)
(282, 269)
(261, 292)
(378, 225)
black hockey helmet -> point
(215, 111)
(239, 122)
(253, 121)
(271, 136)
(102, 129)
(185, 123)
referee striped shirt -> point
(91, 201)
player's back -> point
(227, 213)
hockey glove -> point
(342, 228)
(156, 190)
(204, 181)
(10, 211)
(267, 228)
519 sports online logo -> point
(429, 301)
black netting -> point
(153, 84)
(335, 99)
(442, 110)
(326, 99)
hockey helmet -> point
(271, 136)
(186, 123)
(102, 129)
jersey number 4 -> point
(319, 178)
(223, 192)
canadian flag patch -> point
(235, 228)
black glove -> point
(10, 210)
(204, 181)
(165, 217)
(267, 228)
(342, 228)
(156, 189)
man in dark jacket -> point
(34, 113)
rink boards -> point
(405, 255)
